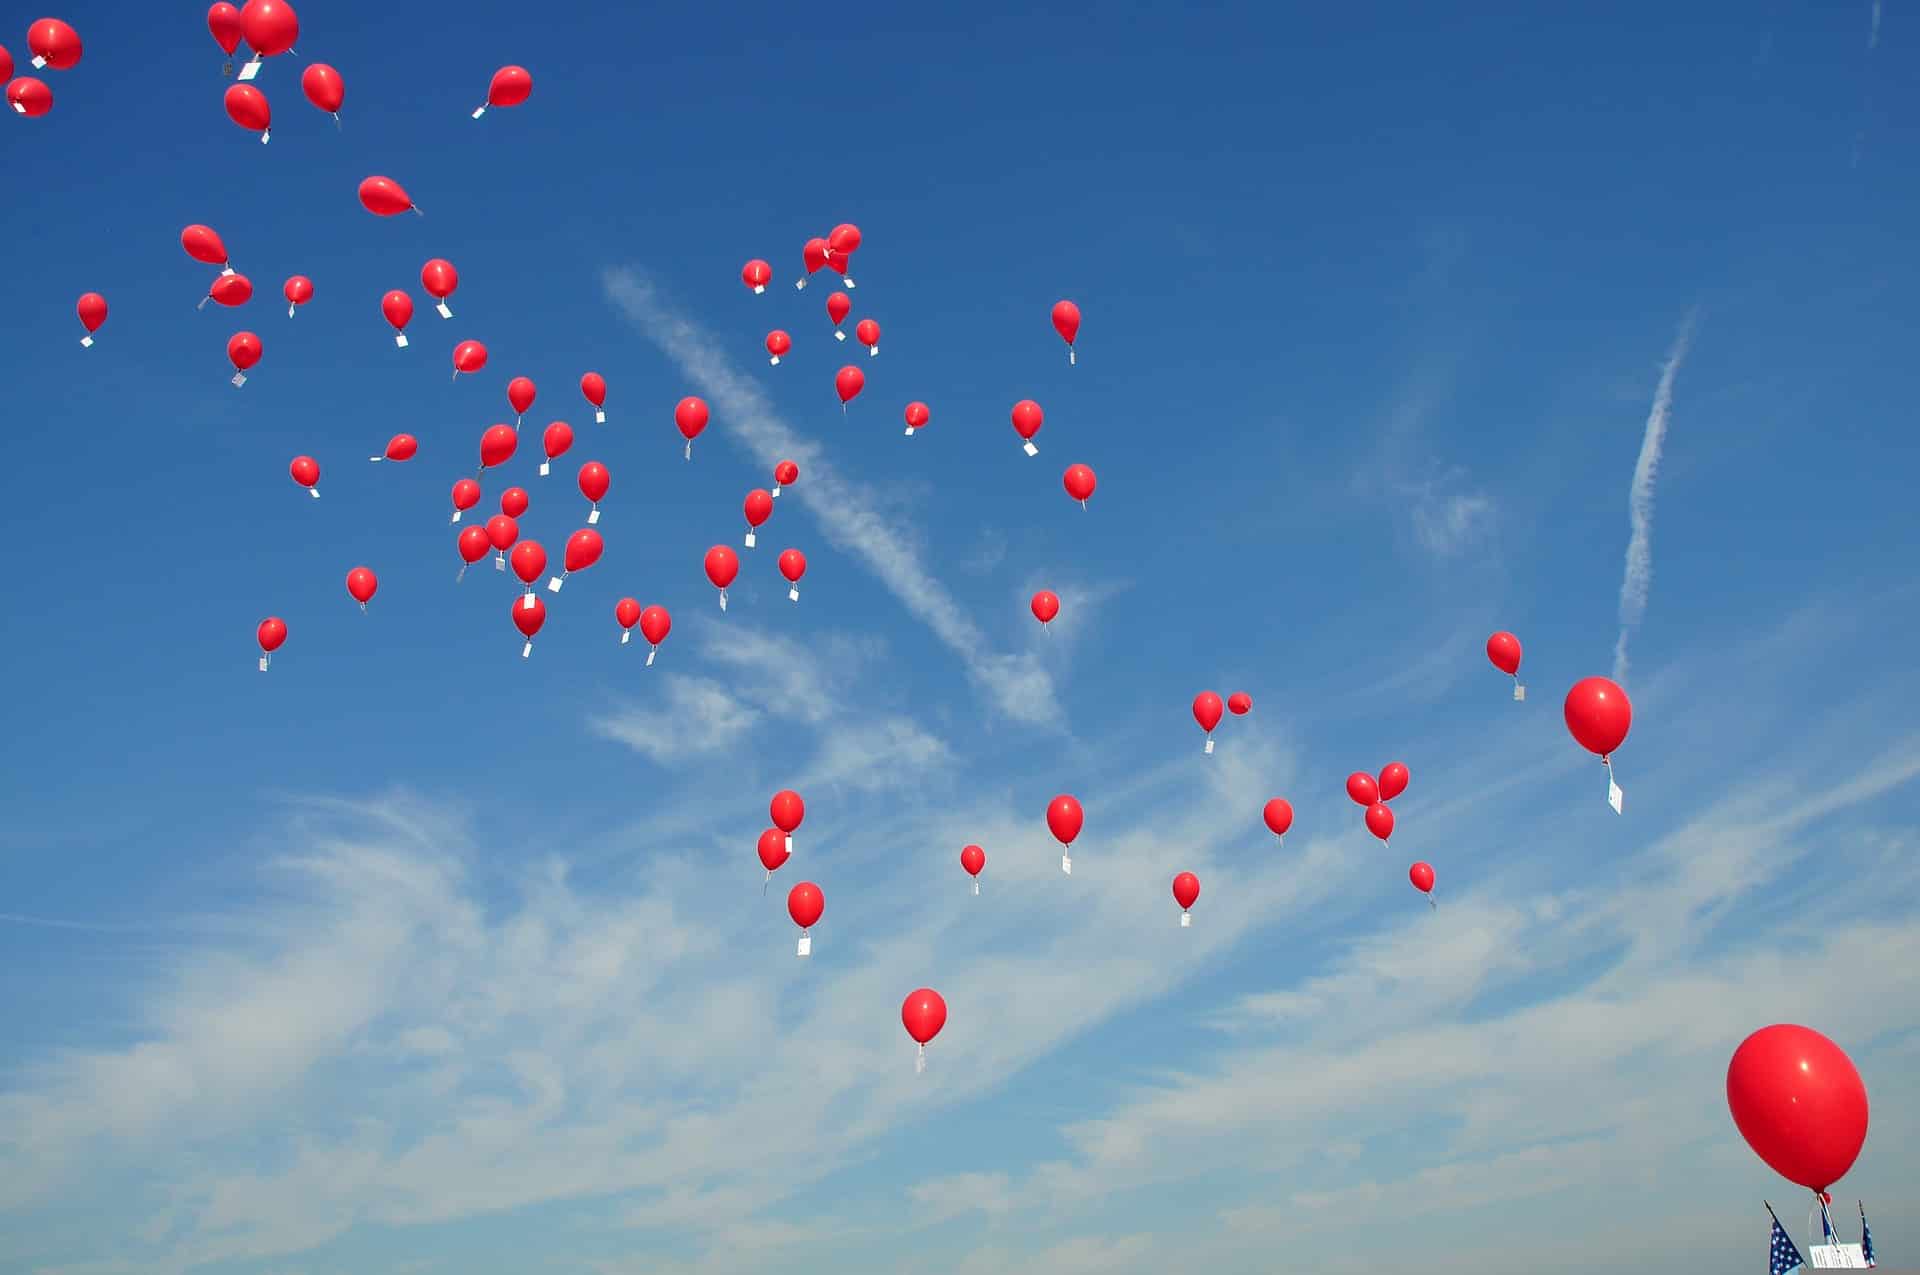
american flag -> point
(1826, 1224)
(1866, 1236)
(1783, 1256)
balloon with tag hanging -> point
(867, 333)
(243, 351)
(1064, 820)
(223, 23)
(1045, 605)
(473, 543)
(520, 395)
(805, 903)
(1066, 321)
(510, 86)
(466, 494)
(779, 345)
(440, 280)
(1027, 420)
(1393, 780)
(29, 96)
(204, 244)
(247, 106)
(1598, 716)
(787, 811)
(722, 565)
(1799, 1102)
(758, 507)
(270, 26)
(838, 304)
(400, 447)
(1503, 652)
(1207, 708)
(973, 859)
(1079, 482)
(793, 565)
(1380, 820)
(229, 290)
(814, 254)
(1186, 890)
(785, 474)
(755, 275)
(1363, 788)
(298, 290)
(848, 382)
(529, 614)
(655, 624)
(528, 560)
(773, 852)
(54, 45)
(91, 309)
(502, 531)
(917, 414)
(593, 387)
(361, 585)
(468, 357)
(626, 613)
(594, 482)
(1278, 815)
(584, 548)
(397, 307)
(271, 635)
(923, 1014)
(385, 197)
(324, 88)
(306, 471)
(497, 446)
(1421, 875)
(690, 416)
(557, 438)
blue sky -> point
(413, 956)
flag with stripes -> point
(1866, 1237)
(1782, 1256)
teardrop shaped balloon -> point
(384, 197)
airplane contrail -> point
(1638, 580)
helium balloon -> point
(722, 566)
(362, 583)
(229, 290)
(655, 624)
(440, 279)
(29, 97)
(92, 310)
(468, 356)
(203, 244)
(793, 565)
(594, 387)
(509, 87)
(384, 197)
(520, 392)
(918, 414)
(1278, 814)
(473, 544)
(1393, 780)
(848, 381)
(814, 253)
(502, 531)
(1066, 321)
(1064, 818)
(1027, 419)
(1598, 716)
(1239, 703)
(513, 501)
(466, 494)
(1362, 788)
(1207, 708)
(583, 550)
(223, 20)
(805, 903)
(837, 262)
(923, 1014)
(6, 63)
(838, 304)
(243, 351)
(398, 307)
(1421, 874)
(306, 472)
(54, 44)
(594, 481)
(1800, 1104)
(1079, 482)
(973, 858)
(867, 333)
(298, 290)
(271, 27)
(271, 633)
(626, 613)
(247, 107)
(755, 275)
(1186, 889)
(772, 849)
(778, 343)
(497, 446)
(399, 447)
(690, 415)
(1503, 651)
(1380, 820)
(787, 811)
(1046, 605)
(324, 88)
(529, 559)
(844, 239)
(556, 440)
(758, 507)
(529, 613)
(785, 474)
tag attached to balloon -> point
(1031, 449)
(263, 664)
(872, 350)
(909, 431)
(239, 379)
(527, 650)
(919, 1059)
(599, 418)
(1066, 864)
(749, 540)
(625, 637)
(1186, 919)
(1613, 792)
(1070, 359)
(1519, 691)
(553, 585)
(441, 306)
(526, 601)
(774, 361)
(839, 336)
(546, 467)
(1209, 745)
(650, 655)
(593, 516)
(806, 945)
(1837, 1257)
(250, 70)
(723, 599)
(314, 492)
(976, 887)
(848, 282)
(86, 341)
(793, 594)
(400, 339)
(479, 111)
(499, 562)
(456, 516)
(775, 493)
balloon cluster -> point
(54, 46)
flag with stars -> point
(1826, 1225)
(1866, 1237)
(1782, 1256)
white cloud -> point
(701, 717)
(1444, 524)
(1638, 580)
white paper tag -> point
(1031, 449)
(599, 418)
(314, 492)
(1186, 919)
(872, 350)
(976, 887)
(526, 601)
(1070, 359)
(593, 516)
(86, 340)
(806, 945)
(479, 112)
(226, 269)
(239, 379)
(1209, 745)
(759, 288)
(920, 1061)
(800, 286)
(626, 636)
(794, 593)
(650, 654)
(723, 599)
(441, 306)
(749, 540)
(774, 361)
(499, 562)
(789, 843)
(527, 650)
(776, 491)
(839, 336)
(250, 70)
(263, 664)
(291, 307)
(546, 467)
(1066, 864)
(456, 516)
(850, 283)
(909, 431)
(265, 134)
(1519, 691)
(400, 339)
(1613, 793)
(553, 585)
(38, 62)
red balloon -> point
(362, 583)
(502, 531)
(466, 494)
(1046, 605)
(594, 387)
(626, 612)
(805, 903)
(324, 88)
(1066, 320)
(973, 858)
(923, 1014)
(787, 810)
(231, 289)
(247, 106)
(814, 253)
(1503, 649)
(691, 415)
(509, 87)
(758, 506)
(55, 43)
(1393, 780)
(1380, 820)
(838, 304)
(473, 544)
(244, 350)
(722, 566)
(785, 474)
(305, 471)
(655, 624)
(513, 501)
(528, 559)
(1362, 788)
(1064, 818)
(837, 261)
(469, 356)
(402, 447)
(558, 437)
(1239, 703)
(439, 278)
(583, 549)
(1421, 874)
(298, 290)
(1598, 715)
(497, 445)
(1079, 482)
(203, 244)
(793, 565)
(773, 849)
(384, 197)
(29, 97)
(755, 274)
(594, 481)
(867, 333)
(92, 309)
(918, 414)
(223, 20)
(1207, 708)
(528, 618)
(844, 239)
(1027, 418)
(1800, 1104)
(271, 27)
(1186, 888)
(398, 307)
(520, 393)
(778, 343)
(271, 633)
(849, 381)
(6, 63)
(1279, 816)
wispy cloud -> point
(849, 512)
(1639, 575)
(1445, 524)
(1873, 30)
(700, 717)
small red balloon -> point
(466, 494)
(626, 612)
(502, 531)
(202, 243)
(1421, 874)
(722, 566)
(362, 583)
(230, 290)
(271, 633)
(54, 43)
(384, 197)
(593, 387)
(247, 106)
(1598, 715)
(1799, 1102)
(1362, 788)
(793, 565)
(848, 382)
(305, 471)
(1046, 605)
(787, 810)
(1393, 780)
(755, 275)
(529, 613)
(557, 438)
(1207, 708)
(298, 290)
(510, 86)
(805, 903)
(758, 506)
(1278, 814)
(1064, 819)
(691, 416)
(1380, 820)
(439, 278)
(778, 344)
(1066, 320)
(814, 254)
(973, 858)
(923, 1014)
(1079, 482)
(92, 310)
(513, 501)
(918, 414)
(844, 239)
(244, 350)
(528, 560)
(497, 445)
(271, 26)
(785, 474)
(223, 20)
(1239, 703)
(1503, 650)
(838, 305)
(29, 97)
(520, 392)
(655, 624)
(1027, 419)
(583, 549)
(867, 333)
(402, 447)
(773, 850)
(594, 481)
(1186, 889)
(469, 356)
(473, 543)
(324, 88)
(397, 306)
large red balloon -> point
(838, 305)
(54, 44)
(298, 290)
(1279, 816)
(793, 565)
(324, 88)
(514, 501)
(814, 254)
(557, 438)
(1079, 482)
(202, 243)
(594, 481)
(1380, 820)
(529, 559)
(758, 506)
(848, 381)
(1186, 888)
(1066, 321)
(655, 624)
(593, 387)
(244, 350)
(785, 474)
(441, 280)
(92, 311)
(1598, 715)
(397, 306)
(584, 548)
(973, 859)
(520, 392)
(917, 415)
(230, 290)
(787, 810)
(755, 275)
(271, 633)
(805, 903)
(306, 472)
(529, 613)
(401, 447)
(1207, 708)
(247, 106)
(473, 543)
(1800, 1104)
(923, 1014)
(844, 239)
(384, 197)
(469, 356)
(778, 343)
(502, 531)
(29, 96)
(271, 26)
(223, 20)
(362, 583)
(773, 850)
(497, 445)
(1064, 819)
(1393, 780)
(722, 566)
(690, 415)
(867, 333)
(1027, 419)
(1503, 649)
(1421, 875)
(1046, 605)
(1362, 788)
(466, 494)
(510, 86)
